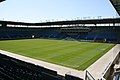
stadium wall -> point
(102, 69)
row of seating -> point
(14, 69)
(96, 34)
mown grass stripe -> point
(73, 54)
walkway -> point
(100, 67)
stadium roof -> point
(94, 21)
(2, 0)
(116, 4)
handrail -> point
(107, 67)
(87, 76)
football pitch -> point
(73, 54)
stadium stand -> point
(75, 29)
(70, 77)
(101, 34)
(13, 69)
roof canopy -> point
(116, 4)
(94, 21)
(2, 0)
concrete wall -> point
(109, 73)
(103, 67)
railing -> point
(88, 76)
(106, 69)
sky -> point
(54, 10)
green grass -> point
(73, 54)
